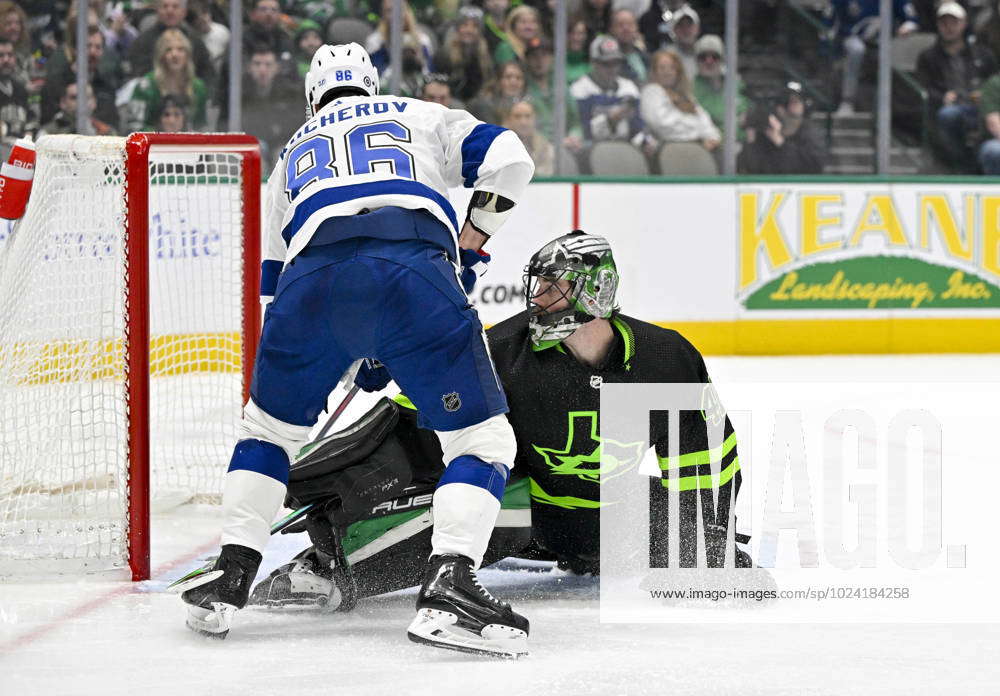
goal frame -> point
(138, 148)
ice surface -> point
(92, 636)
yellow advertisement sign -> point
(858, 249)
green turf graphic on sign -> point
(875, 282)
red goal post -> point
(138, 147)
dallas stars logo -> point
(581, 457)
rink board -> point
(742, 267)
(762, 267)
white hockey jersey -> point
(371, 152)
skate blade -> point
(193, 579)
(214, 622)
(438, 629)
(297, 592)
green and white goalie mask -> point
(568, 282)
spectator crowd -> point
(641, 75)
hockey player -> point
(552, 359)
(362, 261)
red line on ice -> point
(96, 603)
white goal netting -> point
(64, 408)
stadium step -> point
(851, 137)
(861, 120)
(852, 147)
(861, 160)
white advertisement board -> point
(885, 264)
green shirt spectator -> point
(173, 73)
(577, 66)
(494, 15)
(308, 38)
(709, 84)
(523, 29)
(712, 98)
(989, 107)
(434, 12)
(625, 29)
(989, 100)
(322, 11)
(538, 71)
(145, 105)
(577, 55)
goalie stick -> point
(337, 411)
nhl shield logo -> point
(596, 381)
(452, 402)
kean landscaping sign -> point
(858, 248)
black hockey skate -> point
(215, 591)
(455, 612)
(310, 581)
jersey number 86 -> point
(313, 159)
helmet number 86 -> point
(341, 75)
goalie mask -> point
(568, 282)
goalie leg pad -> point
(381, 476)
(362, 465)
(349, 446)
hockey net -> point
(128, 318)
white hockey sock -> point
(464, 517)
(254, 488)
(250, 502)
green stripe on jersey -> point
(564, 501)
(708, 481)
(699, 458)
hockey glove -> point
(488, 211)
(372, 376)
(473, 266)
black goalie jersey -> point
(554, 410)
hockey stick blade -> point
(196, 578)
